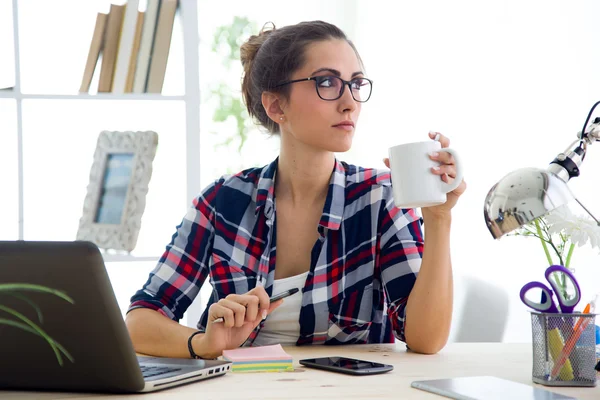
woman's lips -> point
(346, 126)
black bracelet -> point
(190, 348)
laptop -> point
(91, 330)
(486, 388)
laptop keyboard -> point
(148, 370)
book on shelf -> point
(133, 57)
(94, 52)
(161, 45)
(133, 46)
(111, 47)
(125, 46)
(145, 50)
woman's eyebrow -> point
(335, 72)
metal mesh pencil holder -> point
(564, 349)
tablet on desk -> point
(486, 388)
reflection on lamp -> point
(529, 193)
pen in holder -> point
(563, 349)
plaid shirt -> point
(362, 270)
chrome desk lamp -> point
(529, 193)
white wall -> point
(510, 82)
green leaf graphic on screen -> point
(22, 322)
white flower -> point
(579, 229)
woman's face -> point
(325, 125)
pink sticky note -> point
(260, 353)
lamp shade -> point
(521, 197)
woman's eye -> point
(325, 82)
(357, 84)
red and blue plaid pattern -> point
(362, 270)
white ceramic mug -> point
(414, 184)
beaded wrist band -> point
(190, 348)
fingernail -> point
(264, 314)
(434, 154)
(431, 133)
(437, 137)
(436, 168)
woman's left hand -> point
(447, 172)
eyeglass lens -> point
(332, 87)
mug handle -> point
(448, 187)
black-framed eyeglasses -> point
(332, 87)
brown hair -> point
(271, 57)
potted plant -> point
(20, 321)
(226, 45)
(559, 232)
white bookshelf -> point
(84, 96)
(188, 10)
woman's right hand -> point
(241, 313)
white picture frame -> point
(117, 189)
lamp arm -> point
(588, 211)
(566, 164)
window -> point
(9, 199)
(7, 46)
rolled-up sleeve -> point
(400, 253)
(182, 269)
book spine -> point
(94, 52)
(134, 53)
(111, 47)
(146, 43)
(162, 43)
(125, 46)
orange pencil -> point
(580, 326)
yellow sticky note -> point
(556, 344)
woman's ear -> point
(273, 106)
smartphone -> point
(283, 295)
(347, 365)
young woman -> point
(365, 271)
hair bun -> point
(249, 49)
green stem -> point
(560, 259)
(571, 248)
(21, 325)
(563, 240)
(564, 278)
(31, 303)
(37, 329)
(9, 287)
(539, 232)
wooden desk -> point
(504, 360)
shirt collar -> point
(333, 210)
(265, 191)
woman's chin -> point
(341, 146)
(341, 149)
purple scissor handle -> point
(566, 306)
(548, 306)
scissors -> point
(563, 305)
